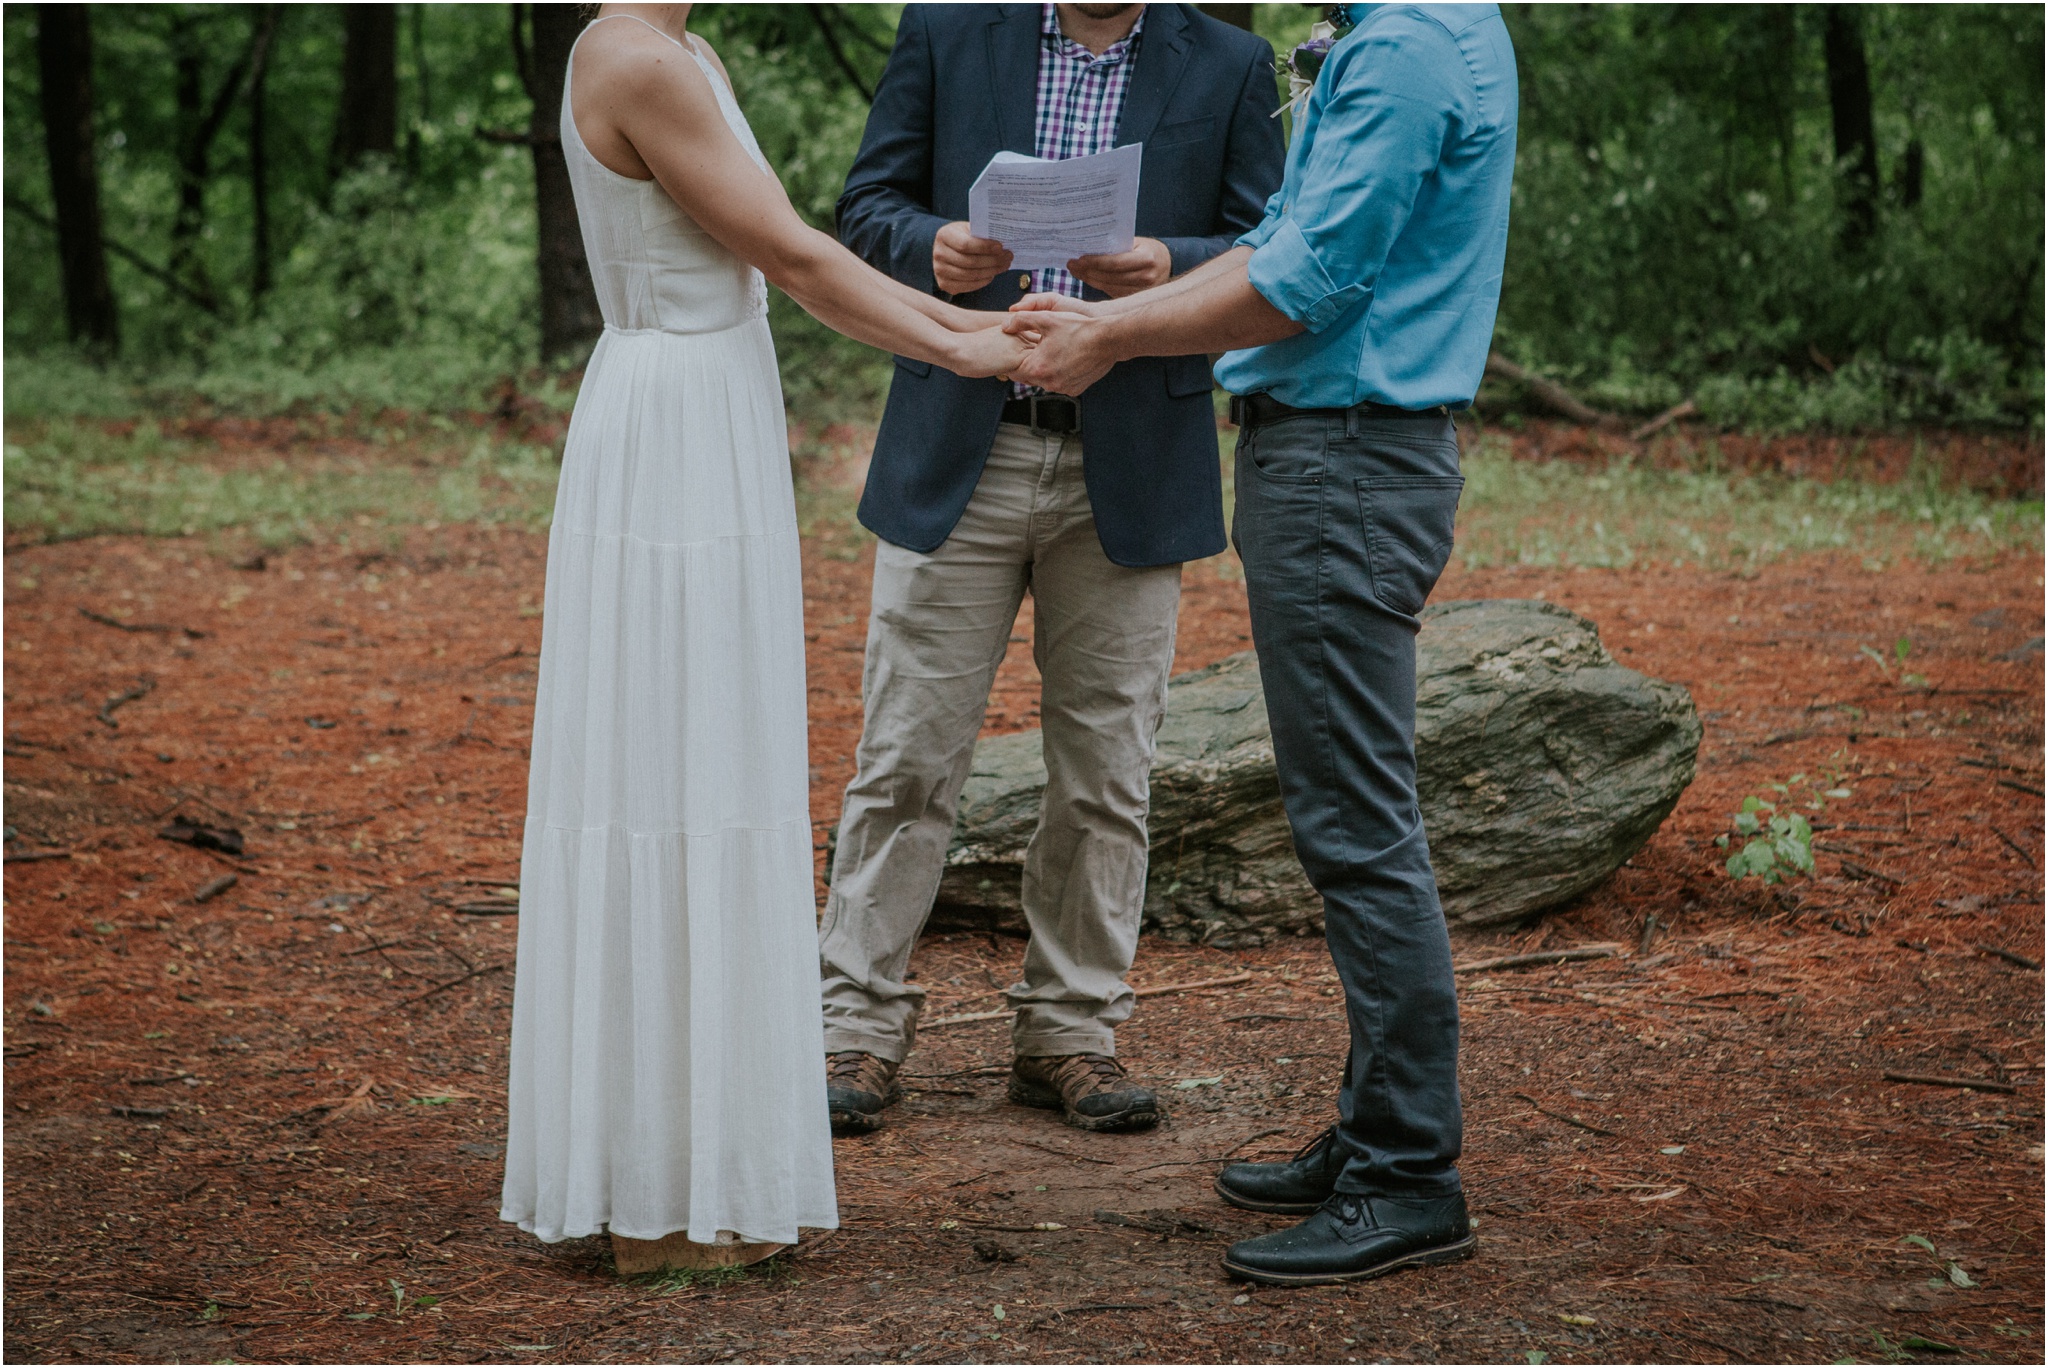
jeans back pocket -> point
(1409, 522)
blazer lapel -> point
(1162, 57)
(1013, 75)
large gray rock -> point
(1542, 763)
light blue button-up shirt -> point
(1387, 236)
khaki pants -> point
(938, 629)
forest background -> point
(1797, 216)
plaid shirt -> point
(1080, 104)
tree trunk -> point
(368, 119)
(1238, 15)
(1855, 126)
(569, 319)
(259, 156)
(64, 53)
(188, 64)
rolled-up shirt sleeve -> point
(1387, 102)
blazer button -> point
(1023, 282)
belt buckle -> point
(1038, 429)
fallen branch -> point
(1859, 871)
(444, 987)
(964, 1019)
(1568, 1120)
(1549, 393)
(1945, 1081)
(1578, 952)
(2023, 788)
(214, 887)
(1230, 982)
(121, 700)
(162, 627)
(2009, 956)
(31, 856)
(126, 253)
(2017, 848)
(1685, 408)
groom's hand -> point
(1148, 263)
(1071, 352)
(962, 263)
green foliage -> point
(1777, 839)
(1677, 214)
(1678, 221)
(1777, 847)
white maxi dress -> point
(667, 1061)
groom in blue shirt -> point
(1360, 311)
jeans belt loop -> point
(1351, 421)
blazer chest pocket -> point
(1185, 131)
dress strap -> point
(638, 20)
(689, 47)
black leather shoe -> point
(1352, 1237)
(1293, 1188)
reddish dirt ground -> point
(267, 1126)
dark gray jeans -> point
(1344, 523)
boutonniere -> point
(1306, 61)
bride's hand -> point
(971, 320)
(987, 351)
(1063, 303)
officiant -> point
(982, 491)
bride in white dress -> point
(667, 1064)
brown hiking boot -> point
(857, 1086)
(1092, 1090)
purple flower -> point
(1307, 58)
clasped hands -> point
(1049, 342)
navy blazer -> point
(962, 85)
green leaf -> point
(1902, 648)
(1958, 1277)
(426, 1301)
(1920, 1240)
(1536, 1356)
(1927, 1346)
(362, 1315)
(1746, 824)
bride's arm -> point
(661, 102)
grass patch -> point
(768, 1272)
(1560, 513)
(68, 478)
(79, 477)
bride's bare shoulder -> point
(634, 59)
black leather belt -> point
(1250, 410)
(1044, 413)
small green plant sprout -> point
(1895, 664)
(1775, 845)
